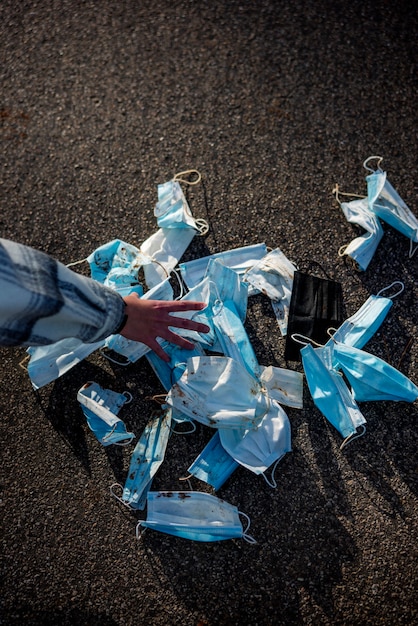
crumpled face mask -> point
(213, 465)
(100, 407)
(358, 329)
(238, 259)
(273, 276)
(117, 263)
(220, 393)
(387, 204)
(330, 393)
(315, 306)
(47, 363)
(283, 385)
(361, 249)
(165, 248)
(232, 336)
(168, 372)
(172, 209)
(371, 378)
(194, 515)
(256, 449)
(146, 458)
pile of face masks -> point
(220, 384)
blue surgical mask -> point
(172, 209)
(146, 458)
(100, 407)
(213, 465)
(232, 336)
(220, 393)
(238, 259)
(116, 259)
(371, 378)
(258, 448)
(387, 204)
(361, 249)
(168, 372)
(194, 515)
(47, 363)
(329, 391)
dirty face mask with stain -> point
(100, 407)
(283, 385)
(116, 264)
(232, 336)
(273, 276)
(194, 515)
(220, 393)
(146, 458)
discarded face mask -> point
(315, 306)
(172, 209)
(358, 329)
(203, 292)
(330, 393)
(371, 378)
(258, 448)
(47, 363)
(227, 285)
(116, 263)
(232, 336)
(213, 465)
(273, 276)
(238, 259)
(146, 458)
(219, 392)
(387, 204)
(283, 385)
(194, 515)
(361, 249)
(165, 248)
(100, 407)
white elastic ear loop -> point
(139, 531)
(412, 250)
(112, 493)
(305, 340)
(76, 262)
(202, 225)
(245, 536)
(396, 282)
(351, 438)
(178, 177)
(371, 158)
(337, 193)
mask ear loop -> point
(351, 438)
(178, 177)
(118, 498)
(245, 536)
(187, 479)
(138, 531)
(76, 262)
(412, 250)
(396, 282)
(337, 193)
(272, 481)
(304, 341)
(371, 158)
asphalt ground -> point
(274, 103)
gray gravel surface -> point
(274, 103)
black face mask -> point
(316, 304)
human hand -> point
(149, 319)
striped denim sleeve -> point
(43, 301)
